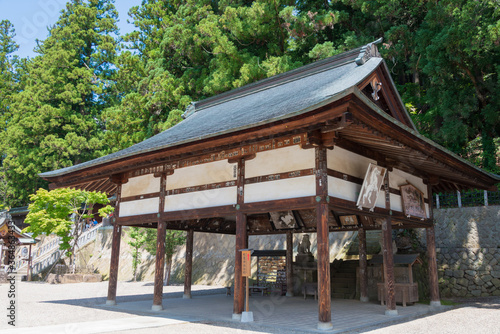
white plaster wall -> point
(281, 160)
(201, 199)
(213, 172)
(139, 207)
(396, 203)
(348, 162)
(398, 178)
(280, 189)
(343, 189)
(144, 184)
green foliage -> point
(56, 118)
(83, 97)
(172, 240)
(64, 212)
(137, 240)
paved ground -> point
(80, 308)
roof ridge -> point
(275, 80)
(359, 55)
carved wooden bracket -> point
(119, 178)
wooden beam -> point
(323, 242)
(159, 266)
(188, 269)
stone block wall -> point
(468, 251)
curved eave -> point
(424, 144)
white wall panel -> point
(281, 160)
(139, 207)
(201, 199)
(343, 189)
(212, 172)
(145, 184)
(280, 189)
(396, 203)
(348, 162)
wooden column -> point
(363, 275)
(289, 264)
(322, 212)
(188, 270)
(159, 266)
(240, 243)
(431, 254)
(161, 233)
(115, 251)
(390, 293)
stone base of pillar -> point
(247, 317)
(289, 294)
(435, 304)
(364, 299)
(391, 312)
(186, 296)
(110, 302)
(325, 326)
(157, 308)
(237, 316)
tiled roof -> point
(279, 97)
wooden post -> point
(159, 266)
(189, 264)
(115, 251)
(388, 255)
(323, 242)
(363, 265)
(113, 270)
(240, 243)
(431, 254)
(289, 264)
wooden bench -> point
(256, 288)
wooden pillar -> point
(323, 242)
(113, 270)
(363, 264)
(388, 256)
(241, 242)
(115, 251)
(289, 264)
(159, 266)
(189, 265)
(431, 254)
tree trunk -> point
(168, 267)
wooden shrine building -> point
(302, 145)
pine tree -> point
(56, 119)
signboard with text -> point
(246, 263)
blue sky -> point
(32, 17)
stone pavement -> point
(80, 308)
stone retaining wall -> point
(468, 251)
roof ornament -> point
(190, 109)
(368, 51)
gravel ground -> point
(40, 304)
